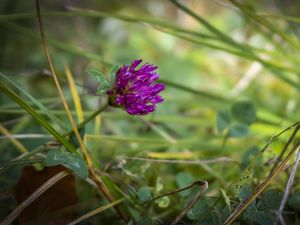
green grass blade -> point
(38, 117)
(276, 68)
(20, 162)
(197, 92)
(225, 38)
(281, 17)
(98, 14)
(23, 122)
(260, 20)
(48, 113)
(60, 45)
(243, 51)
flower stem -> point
(89, 118)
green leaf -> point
(113, 72)
(259, 217)
(55, 157)
(223, 120)
(144, 194)
(244, 112)
(249, 155)
(73, 139)
(78, 165)
(72, 161)
(159, 185)
(225, 213)
(104, 85)
(238, 130)
(184, 179)
(243, 186)
(198, 210)
(39, 118)
(244, 191)
(163, 202)
(226, 198)
(294, 201)
(269, 201)
(145, 221)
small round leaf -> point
(144, 194)
(244, 112)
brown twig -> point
(297, 127)
(195, 199)
(287, 190)
(262, 150)
(199, 183)
(244, 204)
(275, 170)
(95, 212)
(92, 173)
(203, 186)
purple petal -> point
(156, 99)
(134, 64)
(134, 88)
(157, 88)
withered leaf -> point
(53, 206)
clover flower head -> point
(134, 89)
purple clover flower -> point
(134, 89)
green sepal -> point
(104, 85)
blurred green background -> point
(213, 56)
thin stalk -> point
(14, 141)
(260, 20)
(92, 172)
(222, 37)
(95, 212)
(290, 140)
(287, 190)
(89, 118)
(21, 162)
(194, 91)
(238, 211)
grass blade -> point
(260, 20)
(95, 211)
(38, 117)
(75, 95)
(46, 112)
(15, 142)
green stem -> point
(89, 118)
(194, 91)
